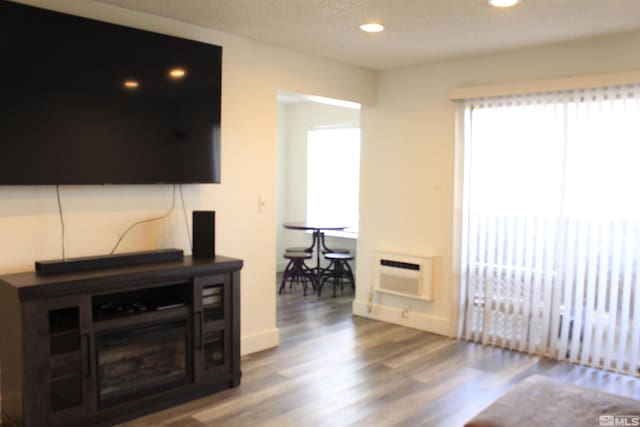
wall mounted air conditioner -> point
(403, 275)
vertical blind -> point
(551, 225)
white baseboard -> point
(415, 320)
(260, 341)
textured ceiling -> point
(416, 31)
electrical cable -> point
(186, 222)
(173, 204)
(61, 220)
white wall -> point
(294, 122)
(407, 170)
(95, 216)
(281, 179)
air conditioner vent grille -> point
(398, 264)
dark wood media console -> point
(102, 346)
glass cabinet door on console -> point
(212, 308)
(61, 353)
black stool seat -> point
(338, 271)
(297, 271)
(299, 249)
(335, 251)
(297, 255)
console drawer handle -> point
(86, 366)
(199, 327)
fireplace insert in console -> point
(139, 355)
(140, 361)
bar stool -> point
(297, 271)
(338, 271)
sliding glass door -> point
(551, 225)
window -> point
(551, 225)
(333, 176)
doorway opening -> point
(318, 181)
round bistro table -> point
(318, 232)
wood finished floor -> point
(332, 369)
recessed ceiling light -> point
(503, 3)
(177, 73)
(131, 84)
(372, 27)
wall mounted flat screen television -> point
(87, 102)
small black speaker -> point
(204, 234)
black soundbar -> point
(107, 261)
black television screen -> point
(87, 102)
